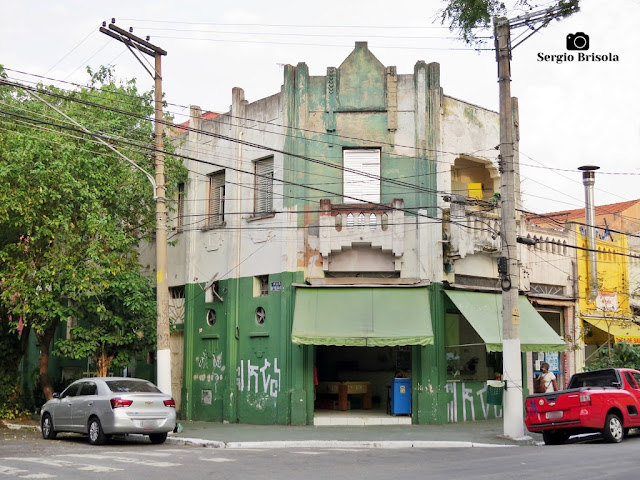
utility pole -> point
(508, 266)
(163, 355)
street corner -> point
(21, 423)
(14, 430)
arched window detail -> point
(384, 222)
(350, 221)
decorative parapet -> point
(547, 262)
(472, 232)
(554, 241)
(345, 225)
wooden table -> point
(344, 389)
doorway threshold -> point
(330, 418)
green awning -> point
(484, 312)
(362, 316)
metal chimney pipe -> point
(589, 180)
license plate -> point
(554, 415)
(146, 424)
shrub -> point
(620, 355)
(11, 403)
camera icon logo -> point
(578, 41)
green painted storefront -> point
(238, 370)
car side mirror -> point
(56, 395)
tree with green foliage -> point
(114, 326)
(72, 215)
(618, 355)
(466, 16)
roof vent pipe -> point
(589, 180)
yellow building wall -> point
(613, 274)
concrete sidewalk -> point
(486, 433)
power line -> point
(93, 30)
(323, 191)
(233, 140)
(85, 62)
(227, 138)
(289, 34)
(434, 220)
(263, 42)
(376, 27)
(269, 123)
(228, 115)
(406, 210)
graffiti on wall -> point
(212, 367)
(469, 402)
(259, 378)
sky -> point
(572, 112)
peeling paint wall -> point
(472, 132)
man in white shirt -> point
(548, 378)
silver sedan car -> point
(101, 407)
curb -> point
(20, 426)
(331, 444)
(196, 442)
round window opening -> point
(211, 317)
(261, 315)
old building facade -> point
(334, 236)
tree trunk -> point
(44, 342)
(24, 342)
(103, 362)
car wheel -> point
(96, 435)
(552, 437)
(613, 431)
(48, 432)
(157, 438)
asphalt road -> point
(24, 454)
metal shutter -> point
(216, 199)
(264, 186)
(363, 188)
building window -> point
(372, 221)
(544, 289)
(350, 221)
(180, 207)
(212, 293)
(261, 315)
(263, 186)
(261, 286)
(384, 222)
(215, 213)
(361, 175)
(212, 318)
(176, 305)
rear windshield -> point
(132, 386)
(599, 378)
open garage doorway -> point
(354, 384)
